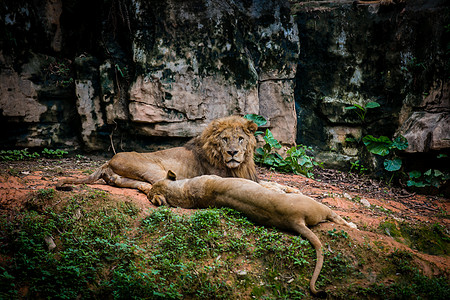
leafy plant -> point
(432, 177)
(383, 146)
(123, 71)
(358, 166)
(336, 234)
(49, 153)
(59, 71)
(16, 155)
(297, 160)
(46, 193)
(361, 111)
(9, 155)
(266, 154)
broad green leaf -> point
(415, 174)
(393, 165)
(259, 151)
(428, 173)
(303, 160)
(259, 120)
(416, 183)
(350, 107)
(271, 140)
(400, 142)
(359, 106)
(438, 173)
(379, 145)
(269, 160)
(372, 105)
(442, 156)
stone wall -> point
(396, 54)
(134, 74)
(164, 69)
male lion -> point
(224, 148)
(283, 210)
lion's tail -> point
(89, 179)
(310, 236)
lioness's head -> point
(230, 142)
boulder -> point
(427, 131)
(214, 58)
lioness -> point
(262, 205)
(224, 148)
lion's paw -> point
(157, 200)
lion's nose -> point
(232, 152)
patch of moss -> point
(430, 239)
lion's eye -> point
(225, 139)
(241, 139)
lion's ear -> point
(252, 126)
(171, 175)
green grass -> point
(109, 248)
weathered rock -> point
(345, 61)
(276, 103)
(167, 68)
(18, 98)
(88, 101)
(428, 128)
(217, 59)
(53, 10)
(41, 112)
(365, 202)
(115, 105)
(427, 131)
(50, 242)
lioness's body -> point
(291, 212)
(224, 148)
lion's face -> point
(230, 142)
(233, 145)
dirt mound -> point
(388, 219)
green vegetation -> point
(358, 166)
(7, 155)
(49, 153)
(16, 155)
(360, 110)
(431, 177)
(298, 159)
(411, 283)
(431, 239)
(88, 245)
(384, 146)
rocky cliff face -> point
(395, 54)
(134, 73)
(164, 69)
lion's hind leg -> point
(114, 179)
